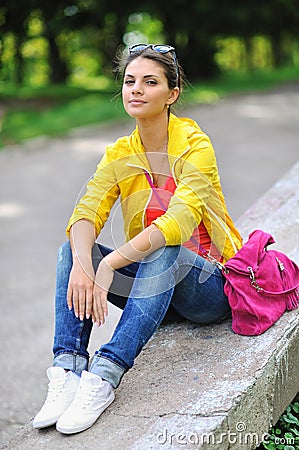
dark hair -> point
(172, 70)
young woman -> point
(166, 177)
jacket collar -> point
(179, 130)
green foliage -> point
(239, 54)
(285, 434)
(54, 42)
(54, 112)
(142, 27)
(242, 81)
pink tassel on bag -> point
(292, 299)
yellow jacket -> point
(198, 195)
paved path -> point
(256, 138)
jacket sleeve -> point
(101, 193)
(196, 175)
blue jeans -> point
(173, 283)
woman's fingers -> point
(88, 303)
(102, 284)
(100, 308)
(70, 297)
(80, 293)
(73, 300)
(80, 312)
(88, 296)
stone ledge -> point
(203, 387)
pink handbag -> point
(260, 284)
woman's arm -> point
(81, 282)
(142, 245)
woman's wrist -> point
(115, 260)
(107, 263)
(149, 240)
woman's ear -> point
(174, 93)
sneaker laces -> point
(85, 395)
(55, 388)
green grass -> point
(54, 110)
(239, 82)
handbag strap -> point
(259, 288)
(287, 291)
(163, 207)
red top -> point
(200, 235)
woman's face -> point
(145, 89)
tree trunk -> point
(19, 62)
(277, 54)
(198, 57)
(59, 71)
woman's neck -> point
(154, 134)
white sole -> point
(40, 425)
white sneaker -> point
(61, 392)
(92, 398)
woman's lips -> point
(136, 102)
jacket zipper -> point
(150, 196)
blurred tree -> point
(195, 29)
(281, 19)
(15, 20)
(274, 20)
(59, 68)
(191, 28)
(56, 20)
(14, 17)
(112, 19)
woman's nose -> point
(137, 88)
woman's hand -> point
(136, 249)
(80, 289)
(87, 292)
(102, 283)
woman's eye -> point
(131, 82)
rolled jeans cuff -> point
(69, 361)
(107, 370)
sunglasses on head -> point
(159, 48)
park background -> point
(56, 61)
(56, 58)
